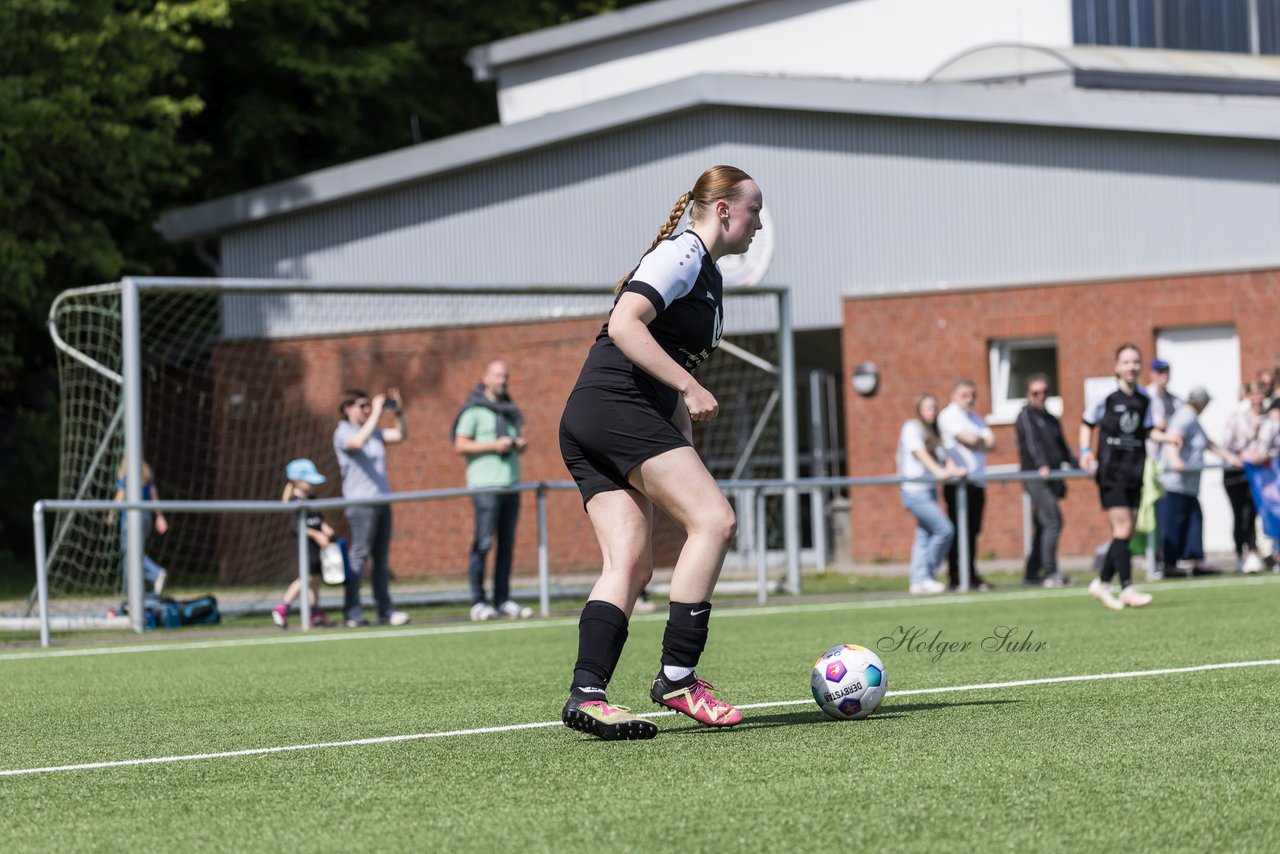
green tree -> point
(112, 111)
(298, 85)
(91, 101)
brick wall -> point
(435, 371)
(924, 342)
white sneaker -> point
(515, 610)
(1102, 592)
(928, 587)
(1252, 563)
(482, 611)
(397, 618)
(1134, 598)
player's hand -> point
(503, 445)
(521, 443)
(393, 395)
(701, 403)
(377, 402)
(1044, 472)
(1088, 462)
(162, 524)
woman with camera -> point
(361, 447)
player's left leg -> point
(679, 483)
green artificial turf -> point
(1181, 761)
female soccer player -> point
(1123, 422)
(626, 437)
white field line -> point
(524, 625)
(391, 739)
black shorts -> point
(604, 434)
(1121, 494)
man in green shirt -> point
(488, 434)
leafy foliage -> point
(112, 111)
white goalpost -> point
(214, 384)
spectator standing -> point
(303, 476)
(1043, 449)
(489, 434)
(967, 439)
(1247, 438)
(1182, 521)
(1123, 423)
(361, 447)
(920, 456)
(1163, 404)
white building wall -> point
(867, 39)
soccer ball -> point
(849, 682)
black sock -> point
(686, 634)
(602, 631)
(1108, 570)
(1121, 560)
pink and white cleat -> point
(1134, 598)
(696, 701)
(1101, 591)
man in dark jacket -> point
(1041, 448)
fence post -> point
(790, 441)
(544, 572)
(962, 531)
(131, 369)
(762, 548)
(42, 572)
(304, 566)
(1028, 522)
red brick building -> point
(921, 342)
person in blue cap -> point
(303, 476)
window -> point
(1232, 26)
(1012, 364)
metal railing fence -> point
(754, 491)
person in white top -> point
(967, 439)
(920, 456)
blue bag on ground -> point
(1264, 483)
(164, 612)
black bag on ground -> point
(199, 612)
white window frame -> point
(1004, 410)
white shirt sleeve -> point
(671, 268)
(951, 422)
(912, 437)
(1094, 412)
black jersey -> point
(686, 290)
(315, 521)
(1123, 421)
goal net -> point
(240, 377)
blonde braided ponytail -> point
(668, 228)
(718, 182)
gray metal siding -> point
(860, 204)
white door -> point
(1207, 356)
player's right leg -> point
(621, 519)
